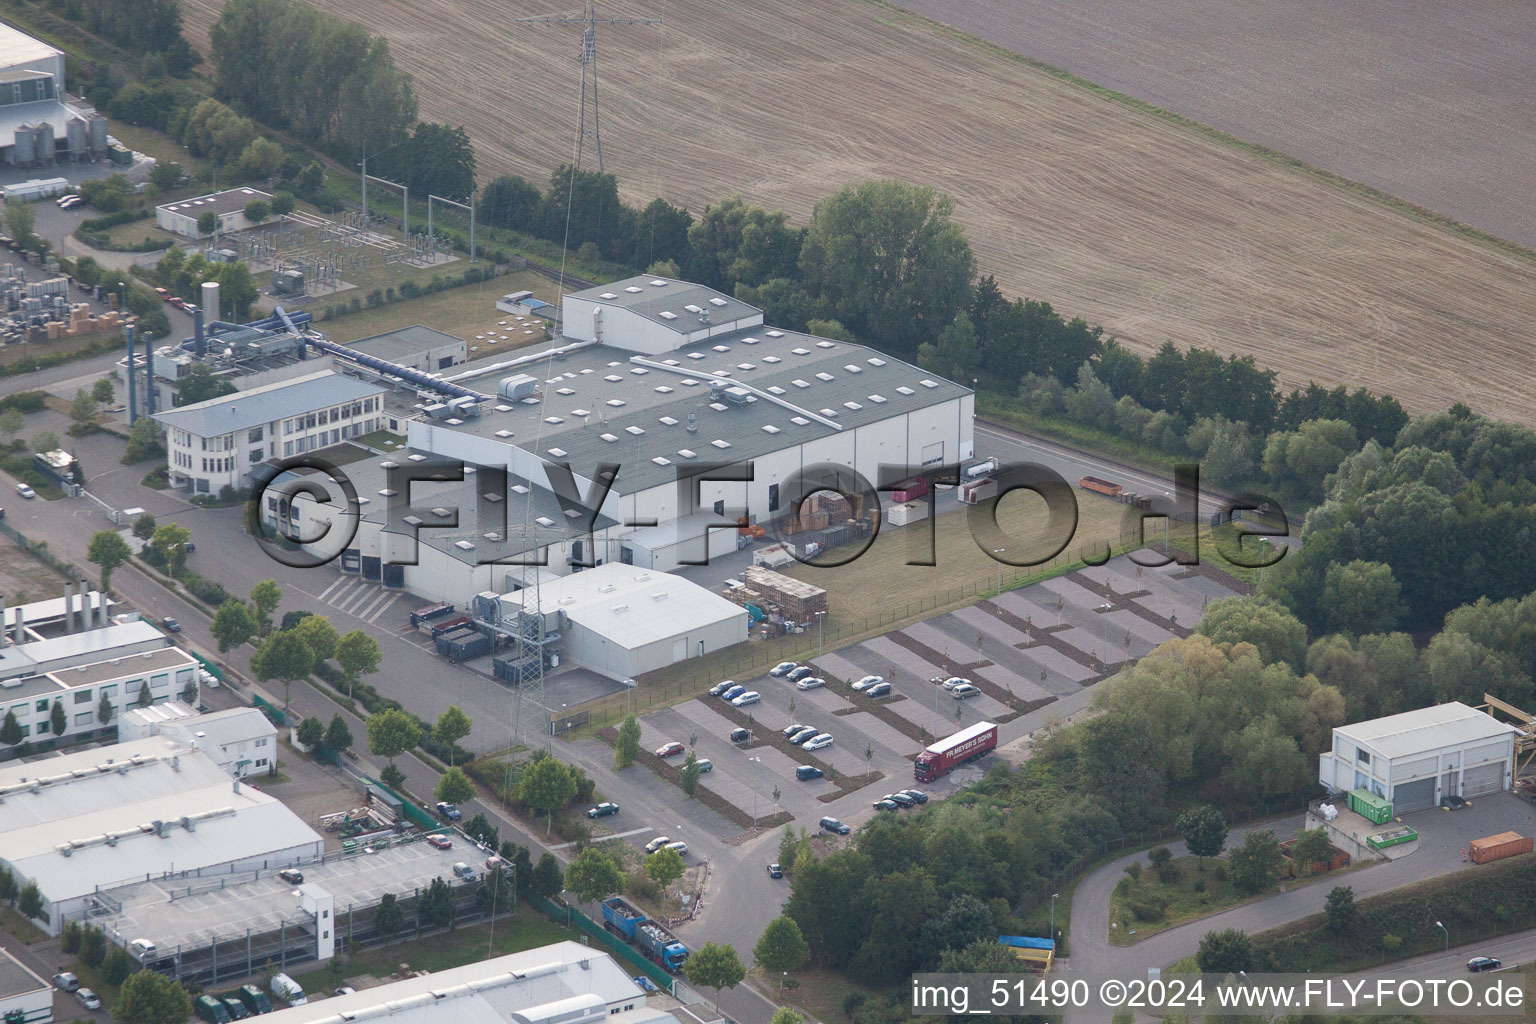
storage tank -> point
(42, 142)
(97, 123)
(1491, 848)
(77, 136)
(22, 151)
(210, 300)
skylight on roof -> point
(721, 373)
(545, 521)
(581, 412)
(745, 366)
(669, 362)
(720, 444)
(464, 545)
(688, 382)
(607, 295)
(904, 390)
(658, 283)
(718, 406)
(609, 437)
(616, 402)
(826, 344)
(417, 457)
(855, 406)
(613, 378)
(774, 389)
(797, 382)
(669, 421)
(632, 289)
(875, 361)
(503, 433)
(519, 488)
(388, 493)
(572, 513)
(558, 453)
(877, 399)
(824, 376)
(722, 348)
(663, 390)
(554, 419)
(749, 341)
(637, 431)
(587, 369)
(925, 382)
(853, 368)
(799, 421)
(769, 428)
(697, 355)
(660, 461)
(775, 334)
(503, 408)
(801, 351)
(717, 301)
(667, 314)
(688, 453)
(772, 359)
(615, 363)
(693, 309)
(566, 391)
(639, 371)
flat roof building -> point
(180, 217)
(242, 741)
(25, 998)
(1418, 758)
(421, 348)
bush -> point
(1391, 943)
(1149, 907)
(852, 1001)
(1134, 869)
(207, 591)
(112, 220)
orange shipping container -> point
(1491, 848)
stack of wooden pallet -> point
(797, 600)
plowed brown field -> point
(1154, 230)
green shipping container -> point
(1369, 806)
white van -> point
(288, 990)
(142, 949)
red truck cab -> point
(941, 758)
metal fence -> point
(624, 952)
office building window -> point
(82, 696)
(83, 719)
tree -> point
(715, 965)
(149, 997)
(593, 875)
(257, 210)
(144, 527)
(47, 441)
(626, 750)
(438, 160)
(391, 733)
(108, 550)
(143, 441)
(284, 657)
(200, 384)
(665, 866)
(170, 543)
(232, 626)
(1255, 864)
(207, 222)
(358, 654)
(955, 353)
(389, 917)
(1265, 623)
(784, 1015)
(1311, 848)
(116, 965)
(8, 886)
(319, 634)
(20, 220)
(452, 726)
(1225, 952)
(688, 778)
(509, 202)
(58, 720)
(145, 697)
(1340, 912)
(265, 597)
(438, 908)
(105, 710)
(93, 946)
(547, 879)
(1204, 831)
(454, 787)
(482, 831)
(30, 902)
(10, 729)
(166, 175)
(1361, 597)
(889, 261)
(782, 948)
(547, 785)
(83, 408)
(103, 391)
(338, 736)
(282, 204)
(311, 732)
(12, 423)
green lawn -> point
(11, 920)
(463, 312)
(525, 930)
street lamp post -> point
(1447, 935)
(999, 561)
(821, 617)
(1053, 915)
(754, 798)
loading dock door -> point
(1413, 796)
(1482, 779)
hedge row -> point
(112, 220)
(30, 363)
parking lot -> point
(1023, 649)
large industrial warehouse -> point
(1417, 758)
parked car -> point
(91, 1001)
(26, 491)
(293, 876)
(741, 700)
(1478, 964)
(954, 681)
(774, 871)
(1453, 802)
(810, 683)
(917, 795)
(235, 1008)
(143, 950)
(803, 733)
(878, 690)
(461, 870)
(439, 842)
(657, 843)
(885, 803)
(254, 999)
(807, 772)
(449, 812)
(740, 735)
(866, 682)
(797, 674)
(834, 825)
(784, 668)
(820, 740)
(669, 749)
(211, 1010)
(791, 729)
(165, 295)
(602, 810)
(733, 692)
(963, 691)
(719, 688)
(345, 990)
(705, 765)
(289, 990)
(680, 846)
(171, 625)
(178, 301)
(59, 202)
(901, 800)
(64, 981)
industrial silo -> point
(42, 142)
(22, 151)
(98, 127)
(77, 136)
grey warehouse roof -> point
(16, 979)
(404, 343)
(1426, 729)
(16, 47)
(651, 297)
(247, 409)
(597, 405)
(231, 200)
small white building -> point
(421, 348)
(242, 741)
(25, 998)
(1418, 758)
(524, 303)
(216, 444)
(180, 217)
(621, 620)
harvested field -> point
(1155, 230)
(1429, 101)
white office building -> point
(1417, 758)
(242, 741)
(216, 444)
